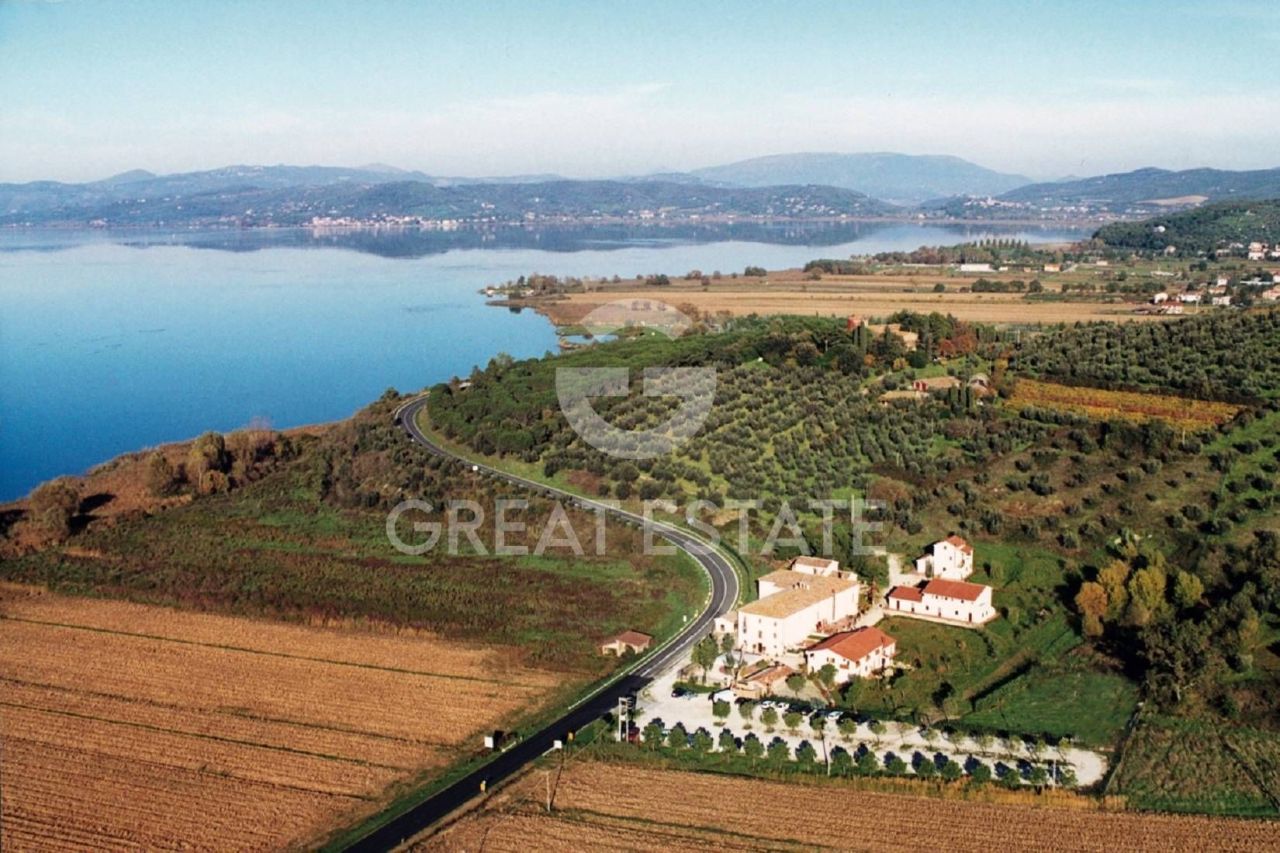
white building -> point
(1189, 298)
(1159, 297)
(947, 558)
(1222, 301)
(953, 601)
(792, 607)
(862, 653)
(976, 268)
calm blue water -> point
(111, 343)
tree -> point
(1039, 776)
(1147, 595)
(726, 648)
(1112, 578)
(678, 737)
(747, 711)
(868, 764)
(1091, 601)
(896, 765)
(818, 723)
(727, 742)
(805, 753)
(1066, 776)
(753, 748)
(841, 761)
(926, 769)
(795, 683)
(704, 655)
(848, 727)
(792, 720)
(826, 680)
(54, 504)
(980, 773)
(1187, 590)
(652, 735)
(951, 771)
(779, 753)
(208, 455)
(877, 729)
(1011, 779)
(702, 741)
(160, 477)
(769, 716)
(720, 709)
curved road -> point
(724, 595)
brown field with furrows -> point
(873, 302)
(130, 725)
(602, 806)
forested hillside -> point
(1203, 230)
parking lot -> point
(694, 711)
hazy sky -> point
(89, 88)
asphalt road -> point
(724, 595)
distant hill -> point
(290, 195)
(900, 178)
(1204, 229)
(1151, 186)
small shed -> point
(627, 641)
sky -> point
(90, 88)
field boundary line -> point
(651, 825)
(287, 655)
(216, 738)
(239, 713)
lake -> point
(111, 342)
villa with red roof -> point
(953, 601)
(860, 653)
(950, 558)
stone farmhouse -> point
(950, 558)
(861, 653)
(793, 605)
(948, 600)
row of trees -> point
(861, 761)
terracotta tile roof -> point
(785, 578)
(906, 593)
(854, 645)
(631, 638)
(960, 543)
(811, 590)
(962, 590)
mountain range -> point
(1152, 186)
(796, 186)
(899, 178)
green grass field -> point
(1195, 765)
